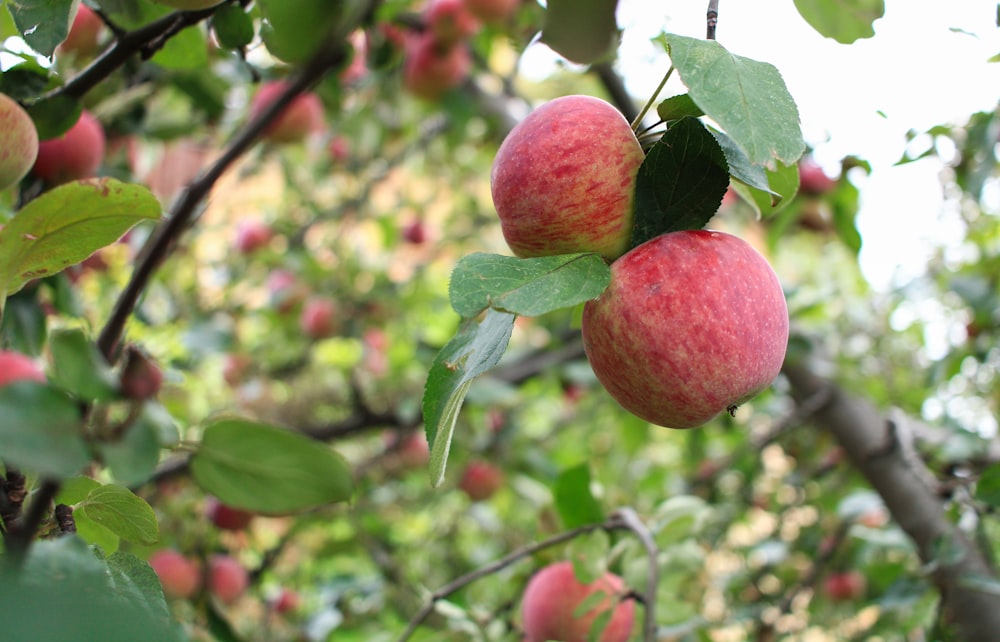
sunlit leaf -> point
(122, 512)
(843, 20)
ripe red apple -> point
(251, 235)
(140, 378)
(15, 366)
(76, 154)
(411, 448)
(179, 575)
(449, 21)
(813, 181)
(227, 579)
(492, 10)
(693, 323)
(18, 142)
(287, 601)
(845, 586)
(414, 232)
(302, 117)
(564, 179)
(226, 517)
(431, 69)
(84, 34)
(552, 597)
(318, 318)
(480, 480)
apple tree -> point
(322, 321)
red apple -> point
(551, 600)
(226, 517)
(84, 34)
(303, 116)
(845, 586)
(18, 142)
(358, 67)
(564, 179)
(76, 154)
(492, 10)
(693, 323)
(412, 448)
(318, 318)
(431, 69)
(179, 575)
(449, 21)
(227, 579)
(15, 366)
(480, 480)
(339, 149)
(284, 290)
(140, 378)
(414, 232)
(813, 181)
(251, 235)
(287, 601)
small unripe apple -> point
(18, 142)
(226, 517)
(76, 154)
(431, 69)
(251, 235)
(564, 180)
(141, 378)
(318, 318)
(692, 324)
(492, 10)
(227, 579)
(179, 576)
(15, 366)
(845, 586)
(302, 117)
(84, 34)
(480, 480)
(449, 21)
(190, 5)
(549, 607)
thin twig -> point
(631, 521)
(19, 537)
(713, 18)
(637, 121)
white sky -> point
(917, 71)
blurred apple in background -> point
(18, 142)
(74, 155)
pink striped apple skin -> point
(549, 607)
(564, 179)
(692, 324)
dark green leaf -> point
(574, 500)
(133, 458)
(677, 107)
(233, 26)
(988, 486)
(843, 20)
(584, 31)
(54, 116)
(24, 322)
(529, 287)
(40, 430)
(747, 98)
(122, 512)
(475, 349)
(78, 366)
(742, 169)
(681, 182)
(135, 581)
(42, 23)
(269, 470)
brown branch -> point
(712, 19)
(872, 444)
(20, 534)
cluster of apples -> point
(693, 323)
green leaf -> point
(133, 458)
(95, 534)
(747, 98)
(122, 512)
(742, 169)
(54, 116)
(681, 182)
(843, 20)
(269, 470)
(66, 225)
(75, 490)
(584, 31)
(475, 349)
(677, 107)
(187, 49)
(135, 581)
(529, 287)
(42, 23)
(78, 366)
(574, 500)
(589, 555)
(40, 430)
(233, 26)
(783, 181)
(988, 486)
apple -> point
(549, 607)
(449, 21)
(227, 579)
(430, 69)
(284, 290)
(480, 480)
(813, 181)
(693, 323)
(84, 34)
(845, 586)
(318, 318)
(140, 377)
(76, 154)
(18, 142)
(302, 117)
(414, 232)
(15, 366)
(339, 149)
(287, 601)
(358, 67)
(226, 517)
(492, 10)
(235, 368)
(251, 235)
(179, 576)
(411, 448)
(564, 180)
(190, 5)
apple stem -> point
(713, 18)
(649, 103)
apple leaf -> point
(40, 430)
(742, 169)
(988, 486)
(528, 287)
(477, 347)
(42, 23)
(782, 180)
(133, 457)
(843, 20)
(681, 182)
(583, 31)
(122, 512)
(677, 107)
(78, 366)
(268, 470)
(574, 500)
(747, 98)
(66, 225)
